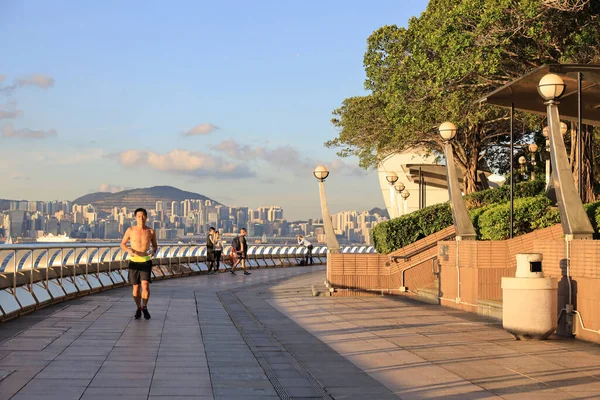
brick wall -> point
(376, 271)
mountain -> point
(135, 198)
(381, 211)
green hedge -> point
(530, 213)
(593, 212)
(502, 194)
(399, 232)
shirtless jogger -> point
(140, 262)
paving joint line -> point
(108, 355)
(269, 334)
(159, 343)
(212, 388)
(281, 392)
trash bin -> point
(529, 309)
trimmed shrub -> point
(475, 214)
(502, 194)
(529, 214)
(593, 212)
(399, 232)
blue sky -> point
(228, 99)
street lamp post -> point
(522, 162)
(563, 130)
(574, 220)
(392, 178)
(333, 246)
(405, 194)
(460, 216)
(399, 188)
(533, 148)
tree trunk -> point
(573, 149)
(466, 154)
(470, 173)
(587, 194)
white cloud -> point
(131, 158)
(39, 80)
(340, 166)
(9, 131)
(283, 157)
(107, 187)
(9, 111)
(5, 114)
(235, 150)
(182, 162)
(201, 129)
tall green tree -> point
(449, 56)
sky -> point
(232, 100)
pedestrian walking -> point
(210, 250)
(239, 252)
(218, 250)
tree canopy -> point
(452, 54)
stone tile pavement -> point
(426, 351)
(265, 337)
(201, 343)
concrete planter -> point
(530, 300)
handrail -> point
(407, 257)
(58, 272)
(412, 266)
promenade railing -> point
(36, 275)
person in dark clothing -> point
(309, 248)
(210, 250)
(239, 252)
(218, 249)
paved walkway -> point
(423, 351)
(265, 337)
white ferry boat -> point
(55, 238)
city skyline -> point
(316, 216)
(173, 220)
(230, 101)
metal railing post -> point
(47, 269)
(31, 273)
(15, 272)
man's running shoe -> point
(246, 273)
(138, 314)
(146, 313)
(231, 272)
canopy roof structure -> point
(522, 92)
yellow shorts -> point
(140, 259)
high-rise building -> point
(52, 225)
(65, 227)
(14, 220)
(274, 213)
(175, 208)
(111, 230)
(161, 206)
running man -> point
(239, 252)
(140, 237)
